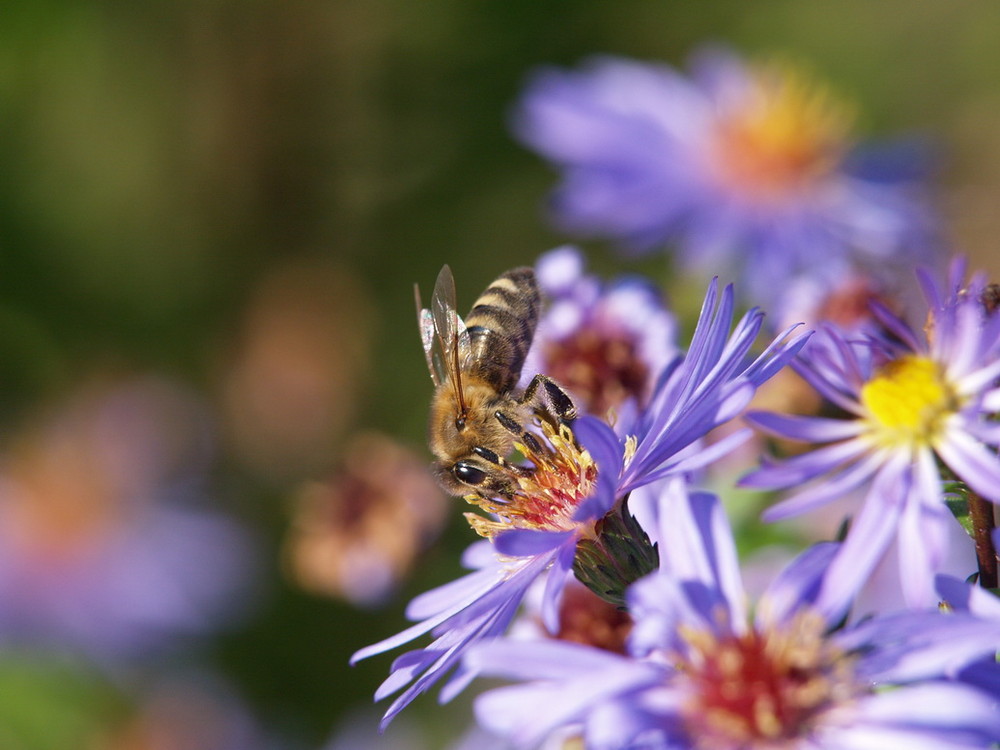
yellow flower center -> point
(546, 498)
(762, 689)
(908, 402)
(784, 133)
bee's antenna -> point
(462, 409)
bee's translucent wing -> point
(451, 332)
(425, 321)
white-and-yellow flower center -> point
(907, 402)
(763, 689)
(546, 498)
(782, 134)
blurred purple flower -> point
(705, 673)
(103, 546)
(606, 343)
(742, 165)
(571, 489)
(911, 399)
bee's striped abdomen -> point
(501, 326)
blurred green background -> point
(177, 176)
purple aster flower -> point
(704, 672)
(579, 476)
(745, 165)
(103, 548)
(911, 400)
(606, 343)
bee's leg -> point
(493, 458)
(511, 425)
(556, 397)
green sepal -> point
(957, 500)
(619, 556)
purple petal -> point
(911, 646)
(457, 683)
(777, 354)
(555, 583)
(540, 660)
(893, 324)
(802, 468)
(972, 463)
(923, 536)
(805, 429)
(734, 399)
(866, 542)
(452, 594)
(660, 603)
(690, 460)
(965, 597)
(991, 401)
(487, 580)
(617, 723)
(602, 443)
(526, 714)
(940, 706)
(797, 585)
(529, 542)
(867, 737)
(698, 546)
(977, 380)
(575, 680)
(818, 494)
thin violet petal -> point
(972, 462)
(798, 584)
(558, 575)
(922, 545)
(468, 587)
(866, 542)
(601, 442)
(690, 461)
(529, 542)
(821, 493)
(938, 705)
(802, 468)
(805, 429)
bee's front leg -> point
(555, 397)
(510, 424)
(500, 461)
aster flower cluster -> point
(607, 584)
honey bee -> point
(477, 411)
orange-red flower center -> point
(546, 498)
(761, 689)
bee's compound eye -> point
(469, 474)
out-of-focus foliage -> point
(237, 197)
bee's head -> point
(472, 475)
